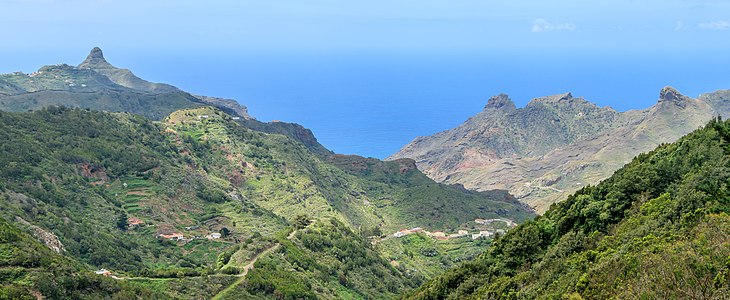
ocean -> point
(373, 104)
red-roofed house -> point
(134, 222)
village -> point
(134, 222)
(485, 228)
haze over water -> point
(373, 104)
(369, 76)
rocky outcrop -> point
(46, 237)
(555, 145)
(501, 101)
(95, 60)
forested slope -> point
(657, 229)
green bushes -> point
(656, 229)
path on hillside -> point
(249, 266)
(246, 268)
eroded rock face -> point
(501, 101)
(46, 237)
(555, 145)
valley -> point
(205, 201)
(129, 196)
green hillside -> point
(28, 269)
(77, 178)
(657, 229)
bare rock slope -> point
(555, 145)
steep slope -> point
(555, 145)
(657, 229)
(30, 270)
(108, 187)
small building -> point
(401, 233)
(103, 272)
(482, 234)
(236, 118)
(133, 222)
(172, 236)
(416, 229)
(438, 234)
(214, 236)
(480, 221)
(194, 227)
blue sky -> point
(368, 76)
(373, 25)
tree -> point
(301, 221)
(122, 223)
(225, 232)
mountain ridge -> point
(556, 144)
(184, 204)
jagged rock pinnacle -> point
(95, 60)
(501, 101)
(670, 95)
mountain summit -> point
(501, 101)
(671, 95)
(95, 60)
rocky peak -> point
(501, 101)
(670, 95)
(95, 60)
(554, 99)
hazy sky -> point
(373, 25)
(368, 76)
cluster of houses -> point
(174, 236)
(440, 235)
(509, 222)
(404, 232)
(180, 237)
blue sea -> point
(372, 104)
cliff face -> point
(555, 145)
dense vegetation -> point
(324, 260)
(74, 178)
(29, 269)
(657, 229)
